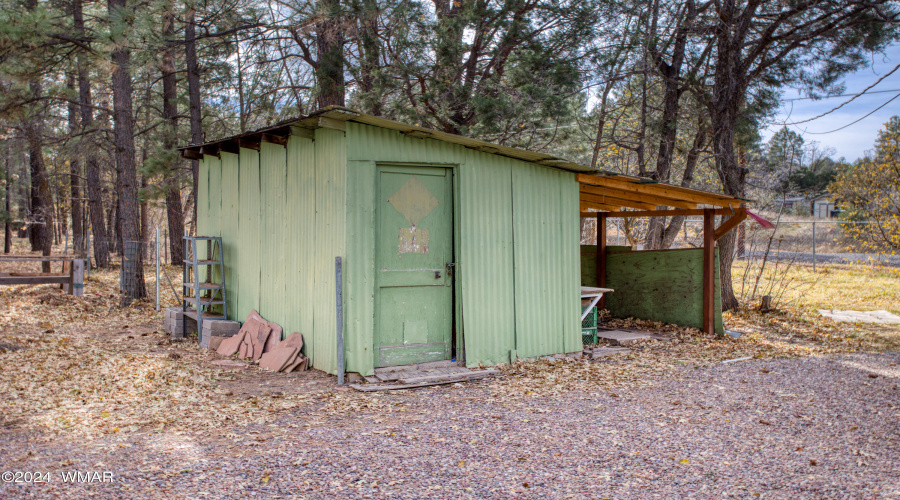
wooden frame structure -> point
(70, 277)
(608, 195)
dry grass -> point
(831, 286)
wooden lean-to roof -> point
(599, 191)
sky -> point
(853, 141)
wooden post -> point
(601, 256)
(66, 267)
(709, 270)
(78, 277)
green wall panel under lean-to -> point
(657, 285)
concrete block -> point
(222, 326)
(208, 331)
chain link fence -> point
(810, 242)
(778, 264)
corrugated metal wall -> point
(281, 213)
(301, 245)
(486, 259)
(500, 292)
(230, 226)
(331, 217)
(285, 213)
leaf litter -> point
(85, 374)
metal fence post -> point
(814, 245)
(338, 282)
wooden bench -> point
(70, 277)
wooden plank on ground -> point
(456, 377)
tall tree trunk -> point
(42, 209)
(123, 132)
(75, 175)
(174, 210)
(330, 48)
(7, 229)
(193, 78)
(370, 51)
(729, 88)
(92, 167)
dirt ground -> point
(813, 427)
(89, 387)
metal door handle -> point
(437, 274)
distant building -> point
(792, 203)
(823, 206)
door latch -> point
(450, 267)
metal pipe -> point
(814, 246)
(338, 282)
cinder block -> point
(174, 313)
(222, 326)
(177, 328)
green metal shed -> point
(452, 248)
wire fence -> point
(812, 242)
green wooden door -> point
(413, 245)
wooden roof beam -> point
(585, 206)
(664, 190)
(738, 217)
(668, 213)
(248, 142)
(210, 149)
(191, 154)
(618, 202)
(306, 133)
(281, 140)
(230, 147)
(646, 198)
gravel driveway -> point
(815, 427)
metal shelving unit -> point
(200, 296)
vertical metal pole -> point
(157, 268)
(338, 282)
(814, 246)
